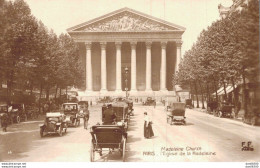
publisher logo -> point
(247, 146)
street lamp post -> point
(126, 75)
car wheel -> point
(41, 132)
(75, 123)
(18, 120)
(124, 149)
(60, 131)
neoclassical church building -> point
(126, 39)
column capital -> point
(178, 43)
(88, 45)
(133, 44)
(148, 44)
(163, 44)
(118, 44)
(103, 45)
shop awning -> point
(222, 92)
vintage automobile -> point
(212, 107)
(116, 113)
(129, 103)
(176, 113)
(189, 103)
(71, 110)
(108, 137)
(17, 113)
(106, 99)
(149, 102)
(224, 110)
(54, 123)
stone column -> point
(103, 67)
(133, 66)
(148, 66)
(88, 67)
(178, 55)
(118, 67)
(163, 67)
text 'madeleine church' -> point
(149, 47)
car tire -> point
(18, 120)
(60, 131)
(41, 132)
(78, 123)
(124, 149)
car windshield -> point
(53, 119)
(70, 107)
(17, 106)
(3, 109)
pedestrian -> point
(86, 117)
(4, 122)
(154, 104)
(148, 131)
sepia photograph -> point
(146, 81)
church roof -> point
(126, 20)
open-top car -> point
(71, 110)
(54, 123)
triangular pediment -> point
(125, 20)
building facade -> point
(149, 47)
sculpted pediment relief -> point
(126, 21)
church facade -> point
(148, 47)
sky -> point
(194, 15)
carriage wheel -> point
(18, 119)
(92, 152)
(123, 149)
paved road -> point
(204, 137)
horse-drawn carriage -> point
(107, 137)
(176, 113)
(212, 107)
